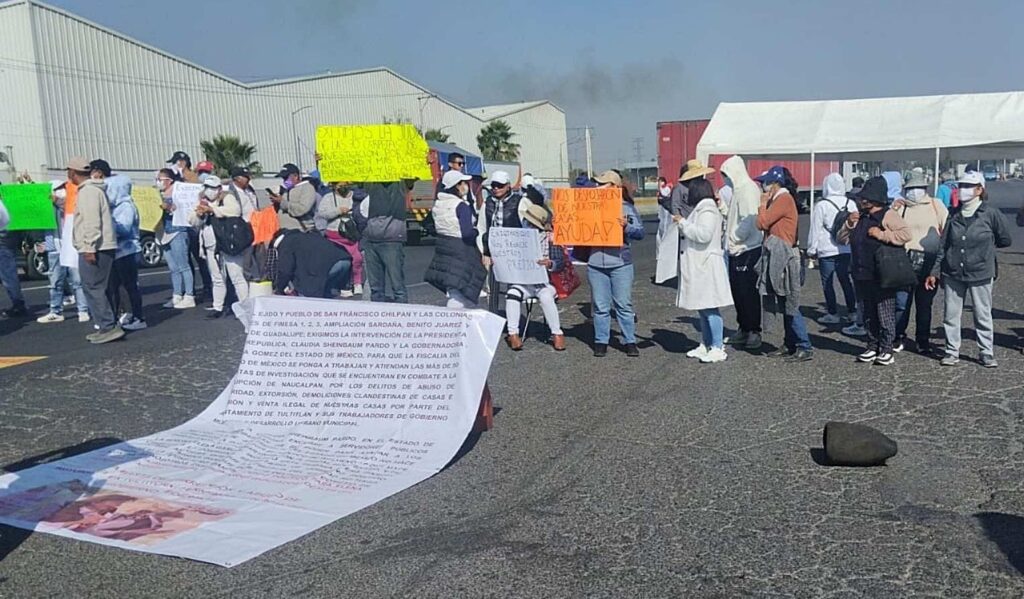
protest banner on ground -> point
(30, 207)
(371, 153)
(185, 198)
(515, 253)
(150, 205)
(587, 217)
(335, 406)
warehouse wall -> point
(21, 118)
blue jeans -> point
(337, 277)
(837, 267)
(792, 321)
(9, 276)
(177, 261)
(612, 286)
(59, 275)
(711, 328)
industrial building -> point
(72, 87)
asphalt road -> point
(648, 477)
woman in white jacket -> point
(703, 280)
(217, 203)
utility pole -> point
(590, 157)
(638, 152)
(295, 134)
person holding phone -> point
(175, 243)
(296, 203)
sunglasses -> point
(459, 163)
(499, 185)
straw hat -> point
(538, 217)
(694, 169)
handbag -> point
(566, 280)
(893, 269)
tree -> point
(495, 142)
(436, 135)
(228, 151)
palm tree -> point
(436, 135)
(495, 141)
(227, 151)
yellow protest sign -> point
(588, 216)
(148, 201)
(371, 153)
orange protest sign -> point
(588, 217)
(264, 225)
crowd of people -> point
(886, 242)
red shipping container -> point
(677, 143)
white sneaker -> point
(483, 293)
(357, 289)
(174, 301)
(829, 319)
(855, 330)
(125, 318)
(84, 317)
(345, 293)
(51, 317)
(187, 301)
(698, 352)
(134, 325)
(69, 300)
(714, 356)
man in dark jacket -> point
(311, 264)
(501, 208)
(383, 242)
(10, 246)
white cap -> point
(527, 181)
(973, 178)
(501, 178)
(56, 184)
(453, 178)
(211, 181)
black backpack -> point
(837, 223)
(347, 228)
(233, 235)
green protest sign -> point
(30, 207)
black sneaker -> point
(898, 347)
(886, 359)
(215, 314)
(803, 355)
(15, 311)
(869, 355)
(925, 349)
(782, 352)
(600, 350)
(632, 350)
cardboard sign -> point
(515, 253)
(149, 203)
(30, 207)
(371, 153)
(588, 217)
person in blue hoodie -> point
(125, 271)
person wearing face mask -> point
(214, 206)
(967, 265)
(181, 164)
(457, 269)
(779, 282)
(296, 204)
(926, 220)
(743, 243)
(59, 274)
(175, 245)
(335, 209)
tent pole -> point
(936, 192)
(812, 181)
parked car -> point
(990, 173)
(36, 265)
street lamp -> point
(295, 136)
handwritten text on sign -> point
(515, 253)
(185, 198)
(588, 217)
(30, 207)
(371, 153)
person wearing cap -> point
(779, 282)
(703, 279)
(866, 231)
(204, 169)
(610, 273)
(175, 244)
(967, 266)
(95, 241)
(181, 164)
(538, 218)
(457, 268)
(833, 258)
(501, 208)
(125, 271)
(241, 188)
(296, 204)
(60, 276)
(216, 203)
(335, 209)
(926, 219)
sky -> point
(617, 67)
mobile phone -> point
(270, 191)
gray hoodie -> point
(94, 226)
(741, 230)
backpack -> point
(842, 215)
(233, 235)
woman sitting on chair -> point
(536, 217)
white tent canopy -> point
(959, 127)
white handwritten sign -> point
(515, 253)
(185, 198)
